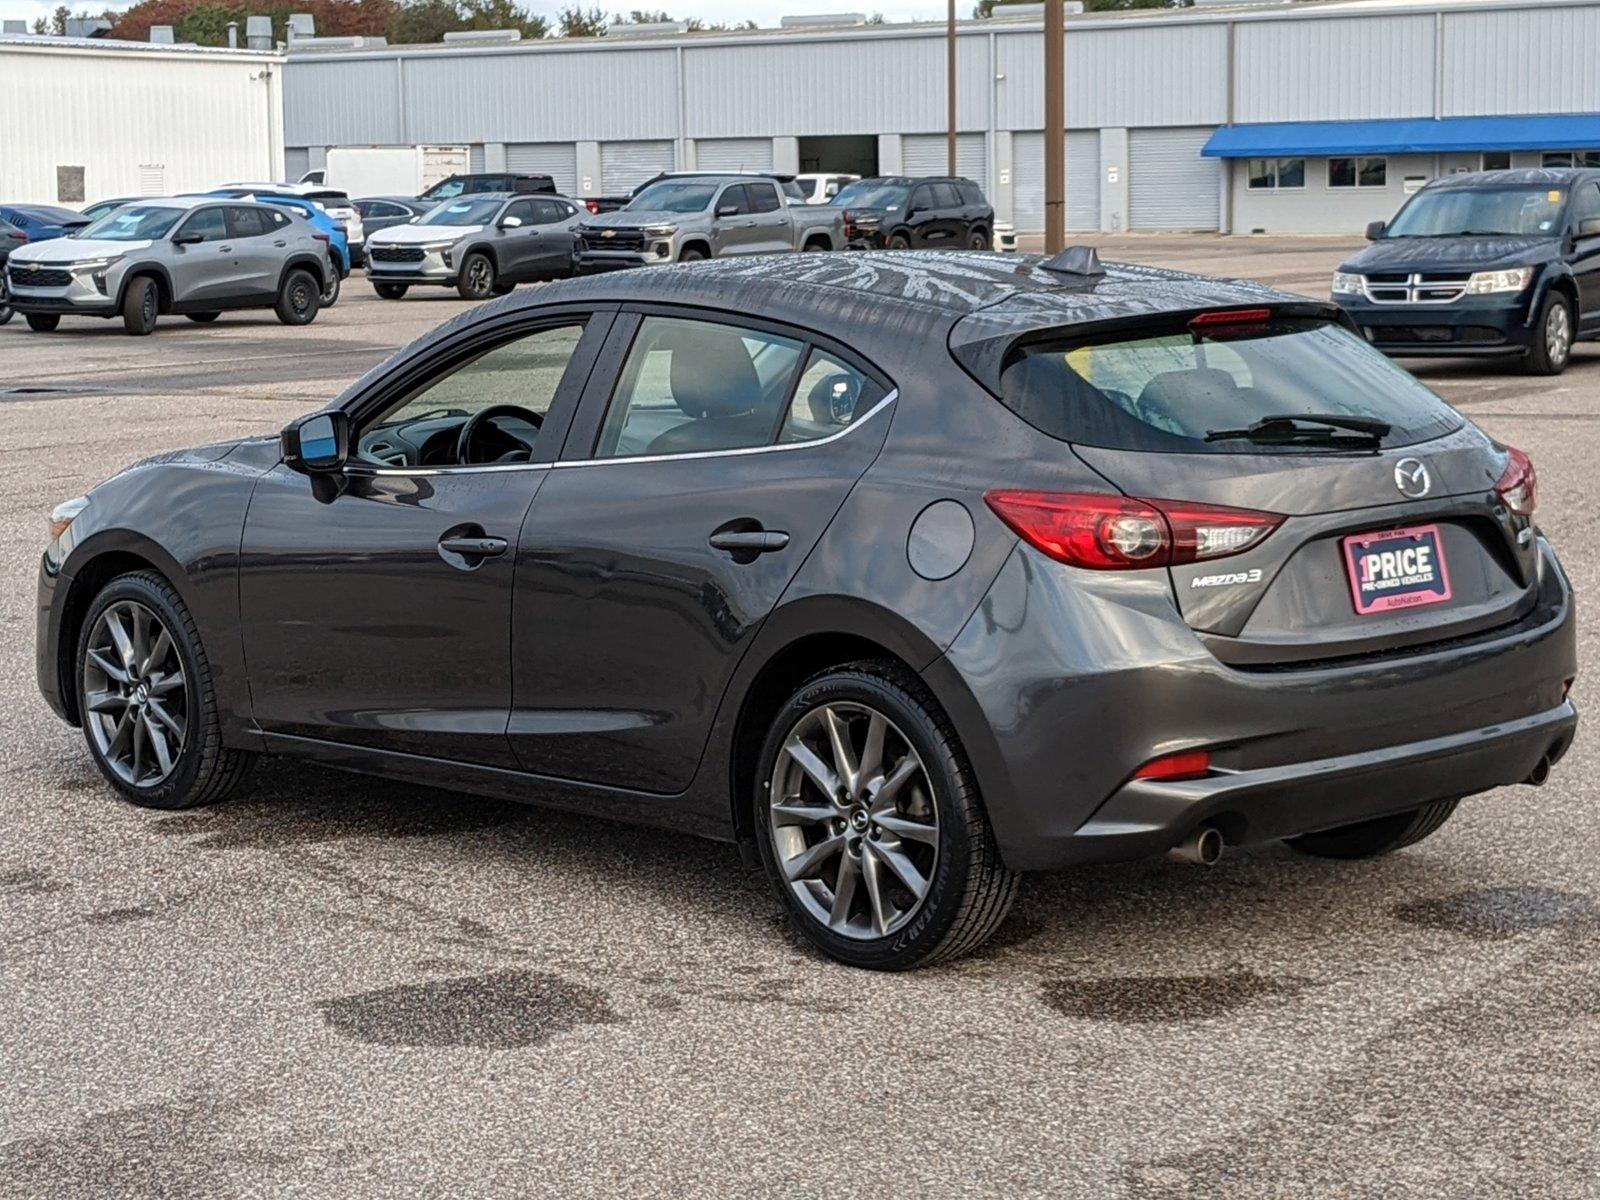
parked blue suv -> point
(338, 242)
(1500, 263)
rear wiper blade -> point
(1322, 428)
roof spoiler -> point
(1075, 260)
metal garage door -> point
(559, 160)
(296, 162)
(1083, 181)
(475, 159)
(733, 154)
(625, 165)
(1170, 186)
(928, 154)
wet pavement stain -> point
(1496, 913)
(119, 916)
(30, 881)
(503, 1011)
(1147, 999)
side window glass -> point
(247, 222)
(522, 210)
(1586, 206)
(763, 197)
(691, 386)
(946, 196)
(421, 428)
(830, 396)
(921, 198)
(209, 223)
(548, 212)
(738, 197)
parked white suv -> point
(821, 188)
(336, 204)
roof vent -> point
(161, 35)
(302, 25)
(1075, 260)
(822, 20)
(258, 33)
(484, 35)
(646, 28)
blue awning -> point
(1412, 135)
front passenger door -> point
(1586, 256)
(733, 229)
(203, 270)
(517, 247)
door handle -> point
(225, 249)
(752, 541)
(280, 243)
(468, 551)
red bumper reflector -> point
(1174, 768)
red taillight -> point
(1230, 320)
(592, 205)
(849, 224)
(1118, 533)
(1175, 768)
(1518, 487)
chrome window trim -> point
(362, 470)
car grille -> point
(1418, 288)
(27, 278)
(1471, 335)
(620, 239)
(395, 254)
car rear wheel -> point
(978, 240)
(298, 298)
(1552, 338)
(390, 291)
(6, 311)
(899, 241)
(43, 322)
(870, 824)
(330, 290)
(476, 281)
(146, 698)
(1368, 839)
(141, 305)
(203, 318)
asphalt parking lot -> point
(333, 986)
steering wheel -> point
(480, 420)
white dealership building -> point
(84, 119)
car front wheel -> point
(43, 322)
(141, 305)
(390, 291)
(146, 699)
(1552, 337)
(477, 280)
(870, 824)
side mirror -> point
(1375, 230)
(318, 444)
(1589, 227)
(187, 239)
(728, 210)
(511, 223)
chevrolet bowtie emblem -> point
(609, 233)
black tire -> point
(203, 318)
(815, 246)
(141, 305)
(1551, 350)
(977, 240)
(691, 254)
(204, 771)
(6, 311)
(390, 291)
(477, 278)
(298, 298)
(330, 290)
(899, 241)
(969, 890)
(1385, 835)
(504, 289)
(43, 322)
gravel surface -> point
(335, 986)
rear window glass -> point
(1166, 389)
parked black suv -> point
(897, 212)
(1500, 263)
(488, 181)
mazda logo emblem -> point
(1412, 478)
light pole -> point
(1055, 128)
(950, 85)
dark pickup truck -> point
(1499, 263)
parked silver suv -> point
(192, 255)
(482, 245)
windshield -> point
(1167, 388)
(133, 223)
(672, 197)
(445, 189)
(462, 212)
(867, 194)
(1522, 211)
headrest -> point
(712, 375)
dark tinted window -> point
(1165, 388)
(922, 198)
(548, 212)
(971, 193)
(246, 222)
(209, 223)
(763, 197)
(1586, 203)
(737, 198)
(523, 211)
(946, 196)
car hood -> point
(67, 250)
(416, 235)
(637, 219)
(1452, 254)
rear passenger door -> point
(553, 252)
(259, 249)
(708, 456)
(772, 232)
(1586, 255)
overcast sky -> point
(762, 12)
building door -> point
(625, 165)
(1170, 185)
(559, 160)
(928, 154)
(733, 154)
(1083, 181)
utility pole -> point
(950, 84)
(1055, 128)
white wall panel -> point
(1335, 70)
(341, 102)
(1170, 186)
(559, 160)
(1082, 181)
(733, 154)
(1522, 62)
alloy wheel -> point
(478, 275)
(854, 826)
(1558, 334)
(134, 696)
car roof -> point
(908, 180)
(43, 212)
(185, 201)
(1534, 176)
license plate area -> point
(1396, 569)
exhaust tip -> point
(1204, 847)
(1540, 772)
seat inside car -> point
(715, 384)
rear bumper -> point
(1476, 326)
(1065, 682)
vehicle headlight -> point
(660, 230)
(1484, 283)
(92, 265)
(1347, 284)
(63, 514)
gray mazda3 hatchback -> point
(907, 573)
